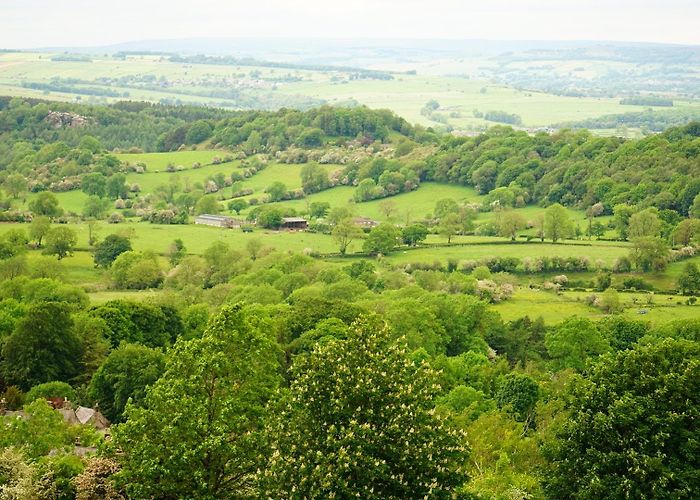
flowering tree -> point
(359, 422)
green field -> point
(554, 308)
(406, 94)
(156, 162)
(606, 253)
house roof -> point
(214, 217)
(293, 219)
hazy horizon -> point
(37, 23)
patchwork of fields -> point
(153, 78)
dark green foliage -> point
(116, 187)
(269, 217)
(689, 280)
(43, 347)
(125, 374)
(518, 393)
(94, 184)
(198, 132)
(110, 248)
(633, 427)
(575, 168)
(139, 323)
(622, 333)
(414, 234)
(520, 341)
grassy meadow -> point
(554, 308)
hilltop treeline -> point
(649, 119)
(155, 127)
(355, 73)
(121, 125)
(571, 167)
(576, 168)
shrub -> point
(50, 390)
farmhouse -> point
(297, 223)
(217, 221)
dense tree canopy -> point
(199, 431)
(633, 429)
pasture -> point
(459, 96)
(554, 308)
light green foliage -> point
(200, 431)
(509, 223)
(343, 430)
(42, 431)
(60, 241)
(450, 226)
(573, 342)
(46, 204)
(557, 224)
(644, 223)
(504, 461)
(610, 301)
(344, 233)
(381, 239)
(95, 207)
(207, 205)
(276, 191)
(39, 228)
(137, 270)
(50, 390)
(313, 178)
(649, 252)
(689, 279)
(17, 477)
(15, 185)
(686, 231)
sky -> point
(75, 23)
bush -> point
(637, 283)
(50, 390)
(137, 270)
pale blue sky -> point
(37, 23)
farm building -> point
(294, 223)
(217, 221)
(365, 222)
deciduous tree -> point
(359, 422)
(200, 431)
